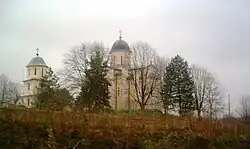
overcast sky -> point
(212, 33)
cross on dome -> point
(37, 54)
(120, 32)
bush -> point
(47, 129)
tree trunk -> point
(165, 110)
(142, 106)
(199, 114)
(210, 112)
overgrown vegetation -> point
(44, 129)
(50, 95)
(94, 93)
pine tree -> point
(178, 86)
(47, 88)
(95, 93)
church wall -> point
(36, 72)
(28, 101)
(112, 88)
(30, 87)
(120, 58)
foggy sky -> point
(211, 33)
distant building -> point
(120, 71)
(36, 69)
(122, 89)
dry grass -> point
(32, 128)
(127, 123)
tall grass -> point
(118, 129)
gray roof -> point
(120, 45)
(37, 61)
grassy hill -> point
(31, 128)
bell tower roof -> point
(37, 61)
(120, 45)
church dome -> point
(37, 61)
(120, 45)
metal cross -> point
(120, 32)
(37, 51)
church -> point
(122, 90)
(35, 70)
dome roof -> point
(120, 45)
(37, 61)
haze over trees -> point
(145, 75)
(243, 109)
(155, 80)
(9, 91)
(207, 94)
(76, 62)
(94, 92)
(172, 83)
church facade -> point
(36, 69)
(124, 93)
(122, 89)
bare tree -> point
(75, 62)
(206, 93)
(9, 91)
(145, 75)
(202, 79)
(162, 64)
(244, 108)
(214, 100)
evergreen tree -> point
(178, 86)
(47, 88)
(95, 93)
(60, 99)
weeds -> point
(50, 130)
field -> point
(31, 128)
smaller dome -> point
(37, 61)
(120, 45)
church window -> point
(28, 101)
(35, 71)
(121, 59)
(28, 86)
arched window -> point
(28, 86)
(35, 72)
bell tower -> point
(120, 54)
(36, 69)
